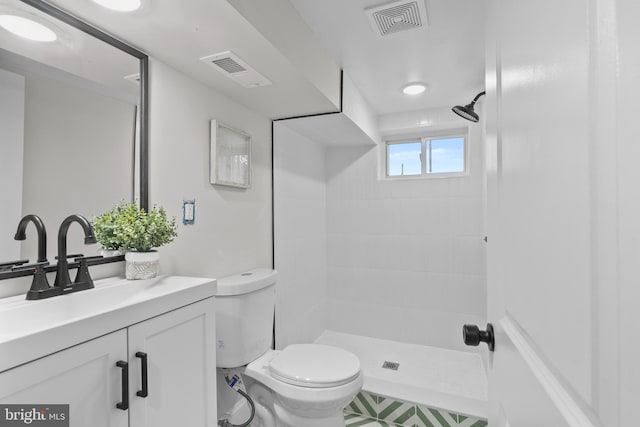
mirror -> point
(73, 115)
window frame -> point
(424, 139)
(405, 141)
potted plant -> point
(130, 228)
(104, 227)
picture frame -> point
(230, 156)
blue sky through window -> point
(447, 155)
(442, 155)
(404, 159)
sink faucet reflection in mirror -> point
(42, 235)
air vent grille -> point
(230, 65)
(398, 16)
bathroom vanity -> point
(126, 353)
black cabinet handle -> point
(145, 385)
(472, 335)
(124, 405)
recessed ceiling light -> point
(120, 5)
(27, 28)
(414, 88)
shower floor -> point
(434, 377)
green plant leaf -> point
(128, 227)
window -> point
(445, 155)
(404, 158)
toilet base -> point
(270, 411)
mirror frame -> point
(143, 178)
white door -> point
(563, 211)
(85, 377)
(177, 348)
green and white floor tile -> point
(396, 411)
(355, 420)
(364, 404)
(471, 422)
(371, 410)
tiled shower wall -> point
(300, 237)
(400, 260)
(405, 257)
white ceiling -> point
(179, 33)
(447, 55)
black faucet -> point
(42, 234)
(62, 275)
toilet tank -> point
(245, 304)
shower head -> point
(467, 112)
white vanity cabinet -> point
(181, 369)
(84, 376)
(178, 350)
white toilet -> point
(302, 385)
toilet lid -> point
(314, 365)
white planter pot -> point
(141, 265)
(110, 252)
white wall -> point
(405, 257)
(77, 158)
(627, 90)
(232, 230)
(301, 236)
(11, 149)
(358, 110)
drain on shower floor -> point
(390, 365)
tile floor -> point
(372, 410)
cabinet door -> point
(181, 368)
(85, 377)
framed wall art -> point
(230, 156)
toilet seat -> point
(314, 366)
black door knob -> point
(472, 335)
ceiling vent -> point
(398, 16)
(230, 64)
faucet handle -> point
(40, 287)
(82, 277)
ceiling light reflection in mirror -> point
(27, 28)
(73, 52)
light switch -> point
(188, 212)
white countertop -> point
(33, 329)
